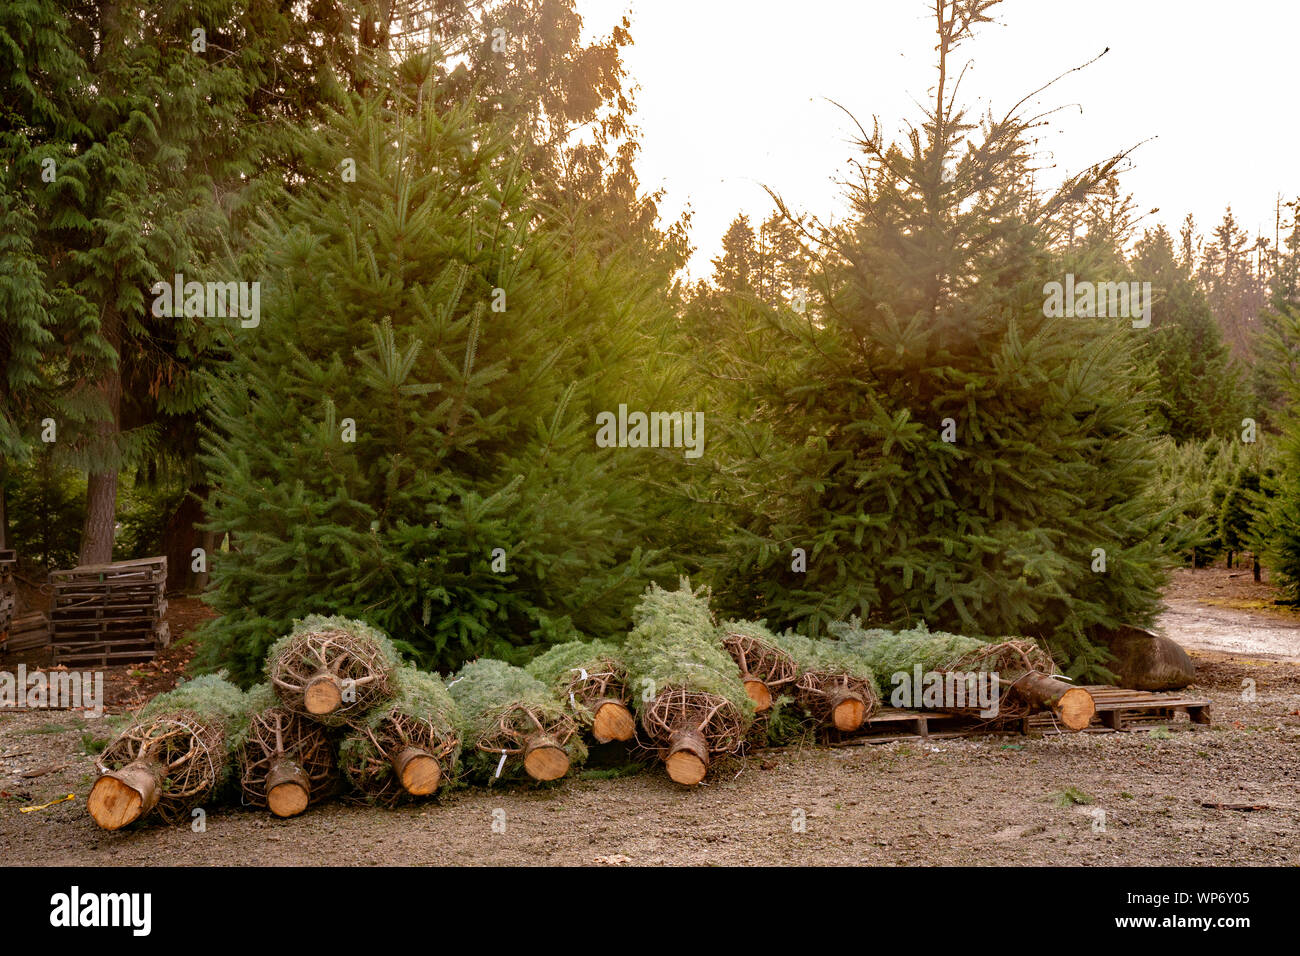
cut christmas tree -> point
(332, 669)
(516, 725)
(172, 758)
(286, 761)
(944, 671)
(591, 677)
(835, 687)
(694, 704)
(409, 747)
(765, 668)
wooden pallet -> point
(1120, 708)
(893, 723)
(27, 641)
(109, 613)
(105, 653)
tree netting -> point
(173, 756)
(693, 700)
(516, 725)
(896, 655)
(835, 686)
(766, 669)
(591, 678)
(332, 669)
(408, 747)
(285, 760)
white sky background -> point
(733, 95)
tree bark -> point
(101, 486)
(181, 537)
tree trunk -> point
(1073, 706)
(181, 537)
(1255, 566)
(101, 486)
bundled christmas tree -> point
(591, 677)
(514, 724)
(172, 758)
(765, 668)
(1023, 670)
(332, 669)
(835, 687)
(694, 704)
(286, 761)
(409, 746)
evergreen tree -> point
(1276, 507)
(734, 270)
(940, 447)
(409, 437)
(1202, 391)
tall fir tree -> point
(408, 438)
(941, 447)
(1202, 391)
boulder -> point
(1145, 660)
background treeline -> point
(459, 269)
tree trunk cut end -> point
(759, 693)
(613, 721)
(288, 789)
(687, 760)
(1076, 708)
(120, 797)
(418, 771)
(323, 694)
(545, 759)
(848, 712)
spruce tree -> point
(408, 438)
(941, 447)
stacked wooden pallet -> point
(8, 594)
(26, 641)
(109, 613)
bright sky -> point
(733, 96)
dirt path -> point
(1215, 609)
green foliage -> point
(931, 324)
(1070, 797)
(45, 504)
(473, 426)
(1194, 477)
(484, 690)
(422, 696)
(892, 652)
(210, 696)
(1202, 393)
(558, 664)
(822, 654)
(676, 644)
